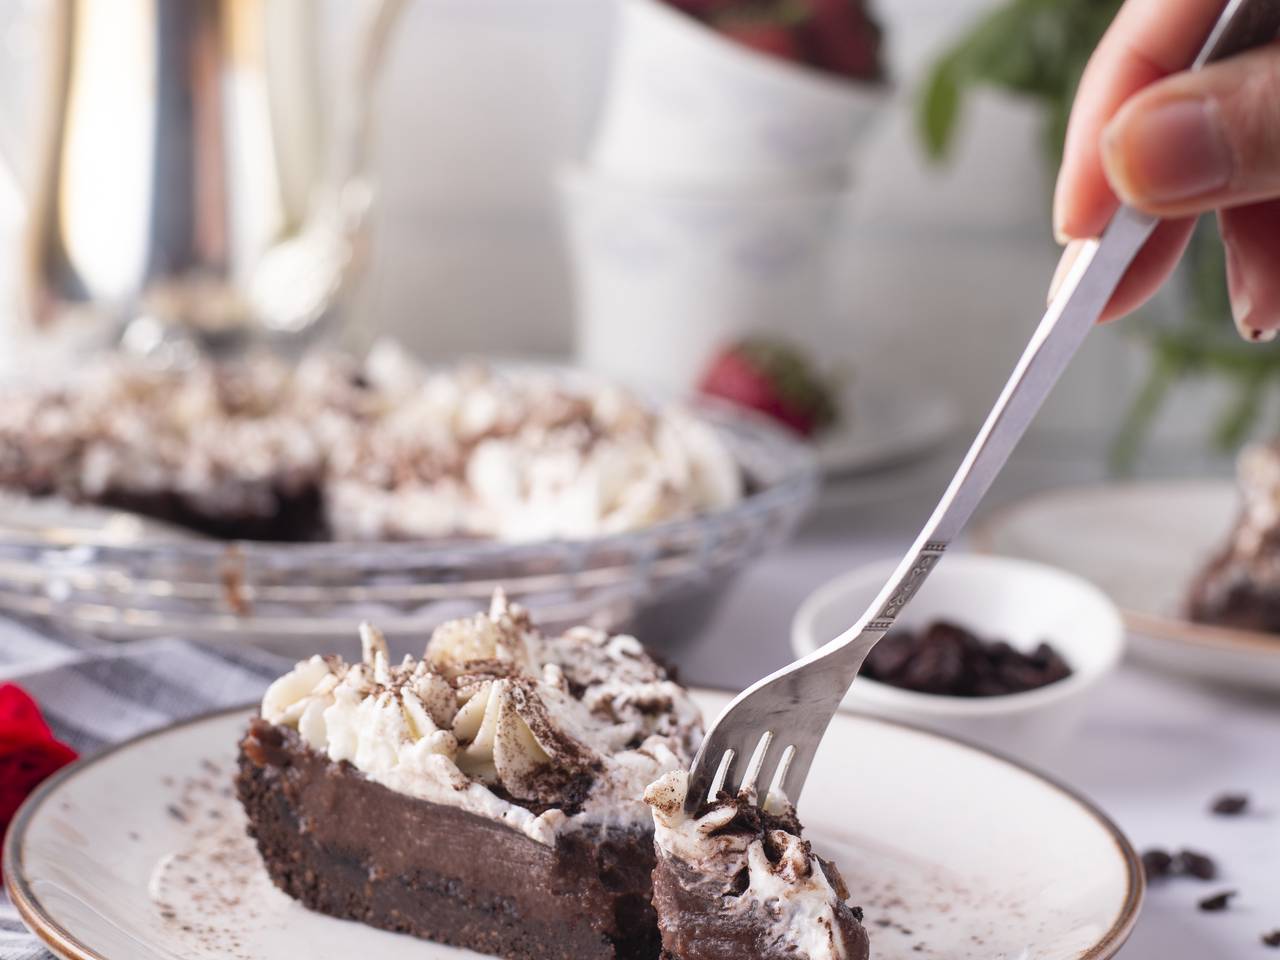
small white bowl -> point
(997, 598)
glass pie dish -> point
(120, 577)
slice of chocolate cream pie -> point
(488, 795)
(736, 881)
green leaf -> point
(939, 112)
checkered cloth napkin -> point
(95, 693)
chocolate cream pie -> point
(376, 449)
(1240, 585)
(737, 880)
(488, 795)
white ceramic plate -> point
(885, 427)
(1142, 543)
(1020, 602)
(944, 845)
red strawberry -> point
(764, 36)
(772, 378)
(840, 36)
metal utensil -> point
(194, 184)
(769, 734)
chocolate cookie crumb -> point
(1157, 864)
(1218, 902)
(176, 812)
(1230, 804)
(1272, 939)
(1196, 865)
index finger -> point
(1148, 41)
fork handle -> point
(1092, 280)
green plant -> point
(1038, 49)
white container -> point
(998, 598)
(662, 278)
(686, 105)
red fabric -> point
(28, 751)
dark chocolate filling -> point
(351, 848)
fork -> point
(770, 733)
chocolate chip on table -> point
(1230, 804)
(947, 659)
(1157, 864)
(1195, 864)
(1218, 902)
(1272, 939)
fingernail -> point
(1175, 151)
(1242, 301)
(1059, 217)
(1067, 261)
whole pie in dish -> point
(376, 449)
(488, 795)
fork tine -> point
(751, 777)
(779, 750)
(743, 746)
(723, 768)
(777, 783)
(792, 779)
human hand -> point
(1177, 144)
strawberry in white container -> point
(727, 93)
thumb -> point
(1200, 141)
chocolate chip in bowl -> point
(949, 660)
(999, 651)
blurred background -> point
(831, 211)
(938, 268)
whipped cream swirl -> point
(1258, 473)
(752, 867)
(500, 721)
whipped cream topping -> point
(525, 456)
(500, 721)
(399, 451)
(788, 890)
(1258, 473)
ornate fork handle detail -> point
(927, 558)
